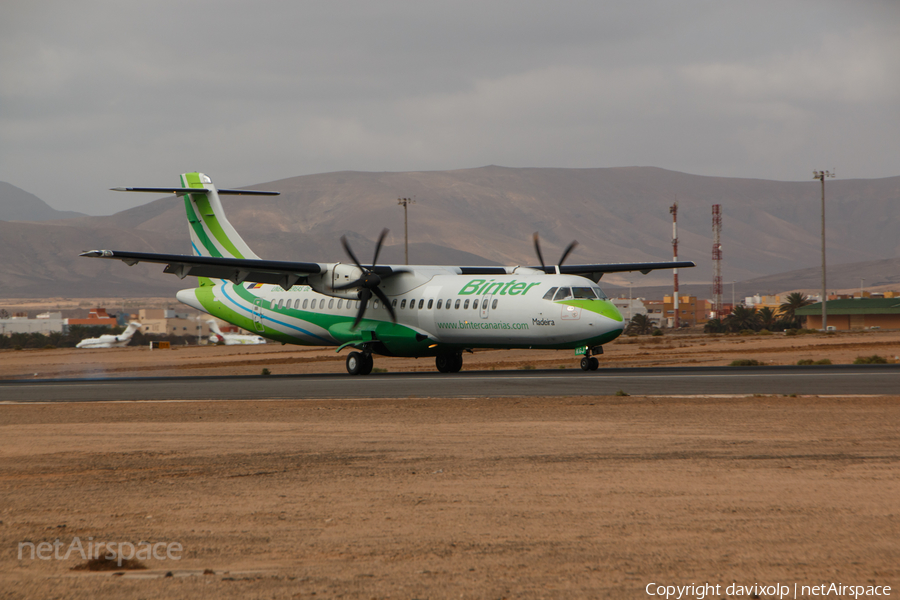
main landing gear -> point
(359, 363)
(449, 362)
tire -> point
(368, 364)
(355, 363)
(444, 363)
(457, 363)
(586, 364)
(594, 363)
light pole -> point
(821, 175)
(404, 202)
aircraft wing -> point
(236, 270)
(594, 272)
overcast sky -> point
(99, 94)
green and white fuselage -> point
(435, 313)
(440, 310)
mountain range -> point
(482, 216)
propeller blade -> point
(350, 252)
(566, 252)
(537, 248)
(387, 303)
(384, 233)
(364, 296)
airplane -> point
(388, 310)
(231, 339)
(111, 341)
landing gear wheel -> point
(444, 363)
(368, 363)
(594, 363)
(585, 363)
(450, 362)
(355, 362)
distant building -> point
(854, 313)
(690, 310)
(44, 323)
(629, 306)
(170, 322)
(655, 309)
(97, 316)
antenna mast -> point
(717, 260)
(674, 210)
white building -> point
(629, 306)
(44, 323)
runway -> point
(675, 381)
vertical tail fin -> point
(211, 233)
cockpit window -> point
(564, 293)
(586, 293)
(549, 294)
(600, 293)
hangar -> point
(854, 313)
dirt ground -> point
(587, 497)
(590, 497)
(641, 351)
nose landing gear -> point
(588, 362)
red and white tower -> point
(717, 261)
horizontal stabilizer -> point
(180, 191)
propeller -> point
(369, 281)
(537, 248)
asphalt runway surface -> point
(841, 380)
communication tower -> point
(717, 260)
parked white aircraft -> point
(231, 339)
(111, 341)
(391, 310)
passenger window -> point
(475, 303)
(564, 293)
(394, 303)
(457, 303)
(305, 303)
(448, 304)
(429, 303)
(340, 304)
(375, 305)
(439, 304)
(549, 294)
(421, 303)
(321, 303)
(494, 303)
(466, 303)
(331, 303)
(403, 303)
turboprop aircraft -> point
(390, 310)
(231, 339)
(111, 341)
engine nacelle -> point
(336, 276)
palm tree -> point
(742, 317)
(767, 317)
(714, 326)
(794, 301)
(640, 324)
